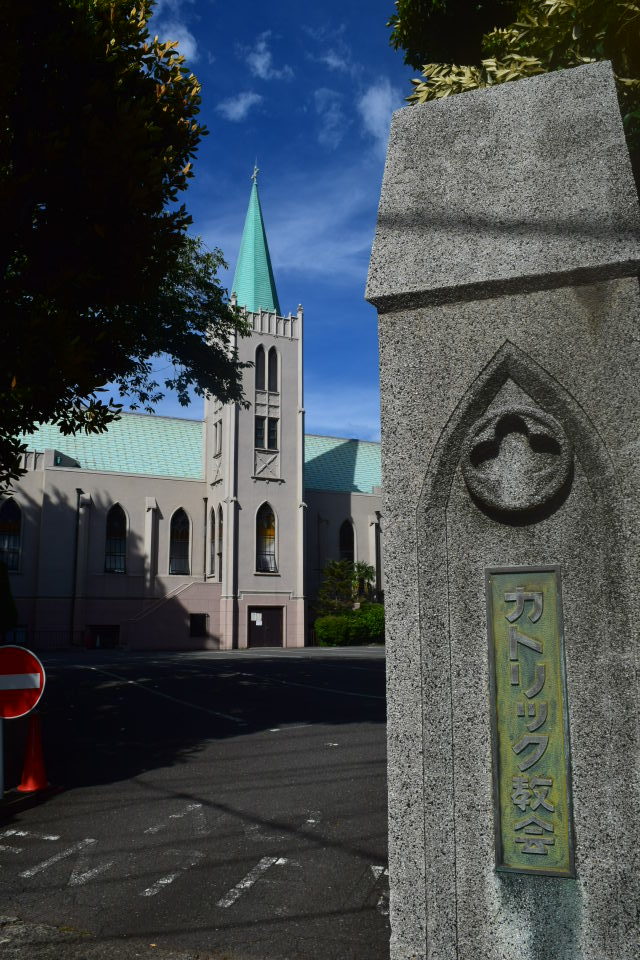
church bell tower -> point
(254, 463)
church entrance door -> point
(265, 626)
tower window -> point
(347, 551)
(179, 543)
(10, 531)
(115, 549)
(273, 370)
(220, 543)
(212, 544)
(266, 540)
(272, 436)
(260, 427)
(260, 368)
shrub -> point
(373, 615)
(358, 626)
(331, 630)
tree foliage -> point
(545, 35)
(344, 584)
(98, 271)
(446, 30)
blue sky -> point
(308, 90)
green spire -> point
(253, 281)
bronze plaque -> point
(531, 762)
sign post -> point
(22, 680)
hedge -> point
(365, 625)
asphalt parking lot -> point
(219, 805)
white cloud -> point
(375, 108)
(173, 6)
(336, 52)
(333, 60)
(175, 30)
(169, 23)
(333, 122)
(259, 59)
(236, 108)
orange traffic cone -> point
(33, 774)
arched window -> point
(266, 540)
(212, 543)
(179, 543)
(273, 370)
(10, 530)
(347, 551)
(115, 548)
(260, 368)
(220, 541)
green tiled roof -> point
(253, 281)
(137, 443)
(171, 447)
(332, 463)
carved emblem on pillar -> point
(517, 461)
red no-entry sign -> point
(21, 681)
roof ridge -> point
(158, 416)
(326, 436)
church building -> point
(167, 533)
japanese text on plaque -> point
(530, 732)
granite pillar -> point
(504, 271)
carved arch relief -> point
(515, 434)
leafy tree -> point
(450, 30)
(545, 35)
(344, 584)
(98, 272)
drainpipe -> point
(72, 612)
(378, 557)
(204, 539)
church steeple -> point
(253, 281)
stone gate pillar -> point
(504, 271)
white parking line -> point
(156, 828)
(27, 833)
(382, 906)
(80, 876)
(166, 696)
(31, 872)
(309, 686)
(232, 895)
(195, 856)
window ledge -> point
(265, 573)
